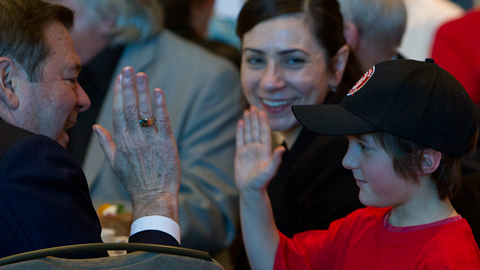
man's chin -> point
(63, 139)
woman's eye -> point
(254, 60)
(294, 62)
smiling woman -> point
(294, 53)
(293, 56)
(284, 66)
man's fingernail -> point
(141, 80)
(128, 73)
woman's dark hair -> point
(326, 24)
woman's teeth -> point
(271, 103)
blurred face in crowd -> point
(283, 65)
(89, 33)
(50, 106)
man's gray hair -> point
(382, 21)
(133, 20)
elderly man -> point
(44, 199)
(203, 94)
(374, 29)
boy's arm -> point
(260, 234)
(255, 166)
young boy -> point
(408, 125)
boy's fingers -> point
(255, 124)
(240, 130)
(265, 136)
(247, 131)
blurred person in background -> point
(374, 29)
(456, 50)
(190, 19)
(465, 4)
(423, 19)
(224, 21)
(202, 91)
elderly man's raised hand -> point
(144, 154)
(255, 164)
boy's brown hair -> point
(407, 160)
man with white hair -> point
(373, 29)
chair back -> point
(145, 256)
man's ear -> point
(430, 160)
(339, 63)
(350, 31)
(7, 93)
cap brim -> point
(331, 119)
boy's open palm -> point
(255, 164)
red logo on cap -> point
(362, 81)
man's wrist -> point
(156, 223)
(166, 206)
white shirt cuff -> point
(156, 223)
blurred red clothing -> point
(456, 49)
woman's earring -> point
(334, 88)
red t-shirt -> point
(361, 241)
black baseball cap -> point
(418, 101)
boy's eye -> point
(363, 147)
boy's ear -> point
(7, 93)
(430, 160)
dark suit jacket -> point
(44, 199)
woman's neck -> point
(291, 135)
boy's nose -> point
(348, 161)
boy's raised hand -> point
(255, 163)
